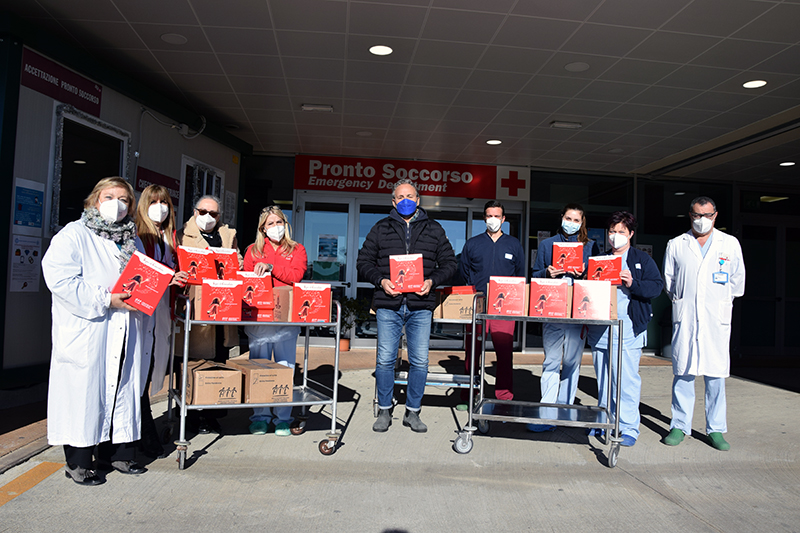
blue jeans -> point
(285, 352)
(418, 333)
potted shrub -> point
(354, 313)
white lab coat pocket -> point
(725, 312)
(677, 310)
(71, 346)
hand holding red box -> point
(568, 256)
(256, 290)
(605, 268)
(146, 280)
(197, 263)
(406, 272)
(226, 262)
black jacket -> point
(388, 237)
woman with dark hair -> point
(641, 282)
(274, 251)
(95, 369)
(563, 343)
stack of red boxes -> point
(257, 299)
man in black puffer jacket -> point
(407, 230)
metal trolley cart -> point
(437, 379)
(486, 410)
(303, 395)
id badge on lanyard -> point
(720, 276)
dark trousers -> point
(106, 451)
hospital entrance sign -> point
(355, 174)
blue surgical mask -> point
(406, 207)
(570, 227)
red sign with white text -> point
(51, 79)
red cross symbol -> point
(512, 183)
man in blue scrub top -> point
(703, 273)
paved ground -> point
(401, 481)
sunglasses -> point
(269, 207)
(203, 212)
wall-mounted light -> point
(318, 108)
(564, 125)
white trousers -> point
(683, 404)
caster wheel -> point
(613, 455)
(327, 447)
(299, 429)
(181, 459)
(375, 408)
(483, 427)
(462, 444)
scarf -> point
(122, 233)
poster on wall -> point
(230, 208)
(28, 207)
(328, 248)
(26, 263)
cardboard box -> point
(551, 298)
(265, 381)
(282, 297)
(605, 268)
(595, 300)
(455, 303)
(311, 302)
(568, 256)
(198, 263)
(211, 383)
(256, 314)
(406, 272)
(221, 301)
(146, 280)
(226, 262)
(507, 296)
(256, 290)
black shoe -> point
(128, 467)
(411, 419)
(208, 425)
(383, 422)
(83, 476)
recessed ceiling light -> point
(494, 142)
(174, 38)
(787, 164)
(320, 108)
(754, 84)
(380, 50)
(561, 124)
(577, 66)
(680, 193)
(364, 133)
(79, 162)
(616, 151)
(770, 199)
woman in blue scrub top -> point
(641, 282)
(563, 343)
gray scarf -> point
(122, 233)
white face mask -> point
(113, 210)
(206, 222)
(158, 212)
(276, 233)
(493, 224)
(702, 225)
(617, 240)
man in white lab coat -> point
(703, 273)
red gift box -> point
(605, 268)
(257, 314)
(507, 296)
(458, 289)
(551, 298)
(568, 256)
(311, 302)
(592, 300)
(406, 272)
(226, 262)
(198, 263)
(256, 290)
(146, 280)
(222, 301)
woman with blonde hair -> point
(155, 222)
(274, 251)
(95, 368)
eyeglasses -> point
(269, 207)
(695, 216)
(203, 212)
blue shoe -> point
(628, 441)
(540, 428)
(596, 432)
(283, 430)
(259, 427)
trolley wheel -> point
(613, 455)
(327, 447)
(375, 408)
(483, 427)
(463, 443)
(181, 459)
(299, 428)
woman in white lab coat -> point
(95, 369)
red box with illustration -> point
(222, 300)
(568, 256)
(592, 300)
(198, 263)
(256, 290)
(551, 298)
(146, 280)
(605, 268)
(257, 314)
(226, 262)
(311, 302)
(507, 296)
(406, 272)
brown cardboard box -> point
(211, 383)
(265, 381)
(282, 297)
(459, 306)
